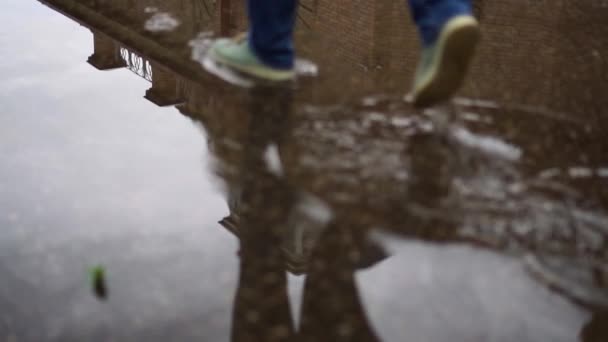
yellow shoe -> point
(443, 65)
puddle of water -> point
(370, 163)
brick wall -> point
(515, 60)
(536, 53)
(581, 61)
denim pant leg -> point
(431, 15)
(271, 31)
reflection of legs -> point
(261, 308)
(449, 34)
(331, 309)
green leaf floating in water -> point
(97, 276)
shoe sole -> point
(457, 44)
(264, 74)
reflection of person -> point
(261, 306)
(331, 309)
(447, 29)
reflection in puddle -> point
(273, 160)
(161, 22)
(310, 169)
(574, 172)
(487, 144)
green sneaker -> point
(443, 65)
(236, 54)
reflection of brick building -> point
(369, 36)
(516, 39)
(373, 45)
(582, 62)
(165, 87)
(106, 53)
(535, 53)
(542, 56)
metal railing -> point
(137, 64)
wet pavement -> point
(328, 209)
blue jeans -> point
(272, 23)
(271, 31)
(430, 15)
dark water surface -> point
(328, 209)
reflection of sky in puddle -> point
(91, 173)
(451, 291)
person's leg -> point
(431, 15)
(449, 34)
(271, 31)
(267, 52)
